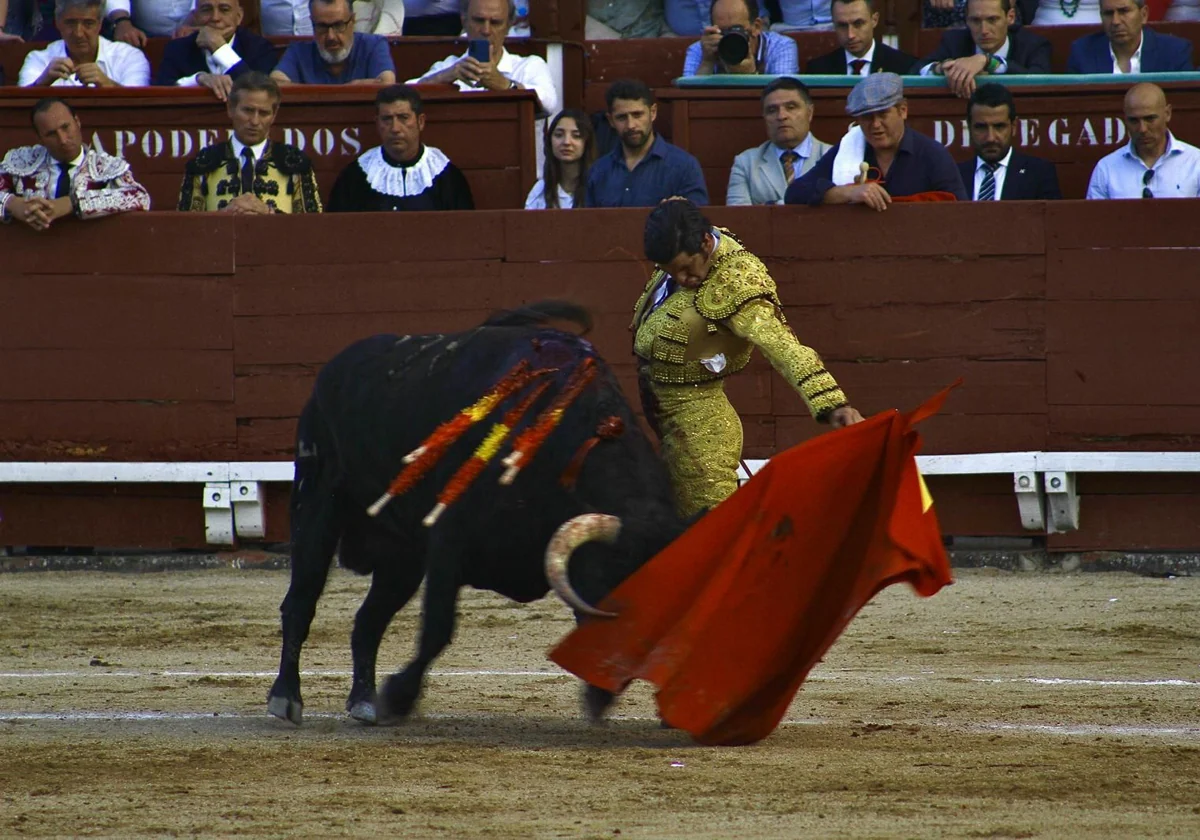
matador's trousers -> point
(701, 440)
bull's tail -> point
(543, 312)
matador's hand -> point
(844, 416)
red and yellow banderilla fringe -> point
(529, 441)
(420, 460)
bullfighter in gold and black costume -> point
(249, 173)
(706, 308)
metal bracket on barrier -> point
(1031, 503)
(248, 519)
(218, 514)
(1062, 502)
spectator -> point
(490, 20)
(1126, 45)
(285, 17)
(249, 173)
(988, 47)
(135, 20)
(401, 173)
(1181, 10)
(336, 55)
(433, 17)
(644, 169)
(906, 162)
(570, 148)
(804, 14)
(1155, 164)
(83, 57)
(858, 53)
(761, 175)
(379, 17)
(216, 53)
(1064, 12)
(27, 20)
(689, 17)
(624, 19)
(765, 51)
(62, 176)
(997, 172)
(951, 14)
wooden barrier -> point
(165, 337)
(158, 131)
(1061, 38)
(1072, 126)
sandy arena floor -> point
(1007, 706)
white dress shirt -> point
(256, 149)
(125, 65)
(536, 200)
(1135, 60)
(219, 63)
(157, 18)
(999, 174)
(1121, 174)
(530, 71)
(285, 17)
(869, 57)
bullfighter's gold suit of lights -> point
(690, 341)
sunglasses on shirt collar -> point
(1146, 179)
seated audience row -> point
(220, 49)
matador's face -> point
(689, 270)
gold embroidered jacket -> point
(283, 180)
(702, 334)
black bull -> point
(376, 402)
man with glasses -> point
(336, 55)
(1155, 164)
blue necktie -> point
(247, 171)
(987, 189)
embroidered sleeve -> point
(192, 196)
(759, 323)
(306, 197)
(120, 195)
(7, 191)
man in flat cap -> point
(879, 158)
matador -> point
(708, 304)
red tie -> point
(857, 65)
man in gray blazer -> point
(761, 175)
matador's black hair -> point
(674, 227)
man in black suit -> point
(859, 53)
(997, 172)
(990, 44)
(216, 53)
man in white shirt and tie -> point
(761, 175)
(997, 172)
(858, 52)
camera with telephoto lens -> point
(734, 45)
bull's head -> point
(569, 536)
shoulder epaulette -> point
(289, 160)
(209, 158)
(735, 278)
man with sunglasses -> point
(336, 55)
(1155, 164)
(880, 157)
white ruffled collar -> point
(402, 181)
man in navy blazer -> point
(1127, 45)
(997, 172)
(858, 52)
(216, 53)
(991, 44)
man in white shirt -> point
(82, 57)
(135, 20)
(761, 175)
(1155, 164)
(491, 20)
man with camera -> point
(739, 42)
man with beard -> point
(880, 157)
(63, 177)
(249, 173)
(997, 172)
(216, 53)
(644, 168)
(1156, 163)
(336, 55)
(83, 58)
(401, 173)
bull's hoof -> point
(285, 709)
(596, 701)
(365, 712)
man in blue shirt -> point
(898, 160)
(336, 55)
(767, 52)
(689, 17)
(644, 168)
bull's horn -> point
(569, 536)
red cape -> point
(729, 619)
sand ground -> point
(1007, 706)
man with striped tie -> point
(761, 175)
(998, 172)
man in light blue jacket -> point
(761, 175)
